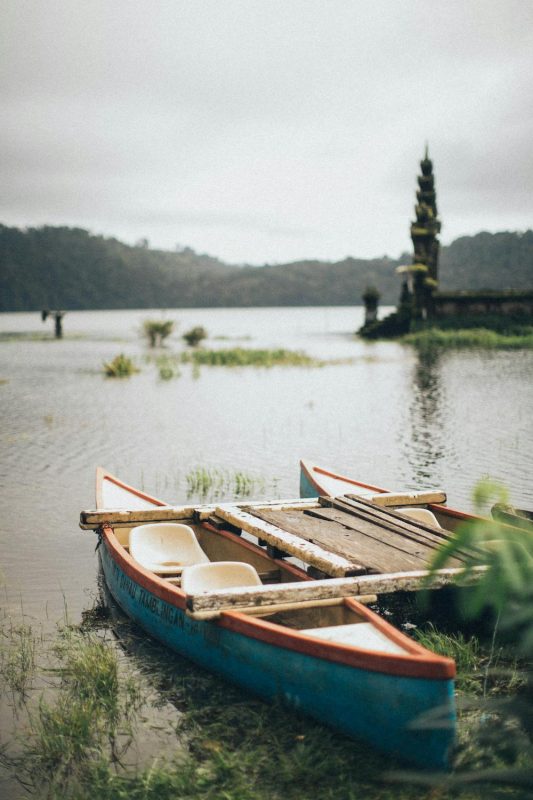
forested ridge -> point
(70, 268)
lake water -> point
(382, 415)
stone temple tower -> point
(425, 228)
(424, 271)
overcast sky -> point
(266, 130)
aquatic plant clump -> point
(156, 331)
(120, 367)
(195, 336)
(84, 718)
(168, 367)
(244, 357)
(18, 646)
(213, 482)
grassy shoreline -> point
(111, 693)
(475, 338)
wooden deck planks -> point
(389, 516)
(393, 520)
(299, 546)
(378, 540)
(355, 545)
(381, 544)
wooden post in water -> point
(58, 321)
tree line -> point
(70, 268)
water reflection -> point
(425, 443)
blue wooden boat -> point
(319, 481)
(335, 660)
(316, 480)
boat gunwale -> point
(308, 469)
(103, 475)
(418, 662)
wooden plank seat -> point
(403, 498)
(165, 547)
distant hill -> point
(488, 261)
(69, 268)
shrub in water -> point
(157, 330)
(120, 367)
(195, 336)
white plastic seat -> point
(218, 575)
(165, 547)
(420, 514)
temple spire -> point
(423, 273)
(424, 231)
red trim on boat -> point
(451, 512)
(419, 664)
(102, 475)
(142, 577)
(298, 573)
(328, 474)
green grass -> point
(480, 338)
(168, 364)
(213, 482)
(479, 670)
(18, 647)
(217, 742)
(85, 717)
(244, 357)
(465, 652)
(120, 367)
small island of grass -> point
(479, 338)
(245, 357)
(477, 331)
(120, 367)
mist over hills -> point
(70, 268)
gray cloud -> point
(265, 130)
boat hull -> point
(383, 709)
(316, 481)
